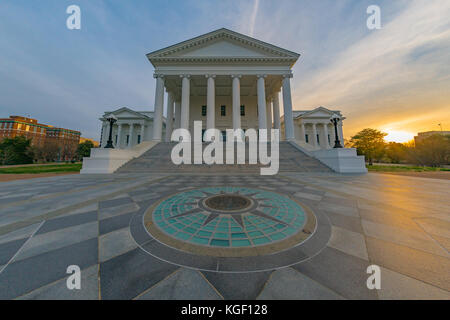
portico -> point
(313, 129)
(224, 79)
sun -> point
(398, 136)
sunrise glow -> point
(398, 136)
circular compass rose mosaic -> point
(228, 218)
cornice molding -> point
(223, 34)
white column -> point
(269, 113)
(314, 133)
(142, 132)
(159, 104)
(325, 144)
(185, 96)
(131, 133)
(119, 136)
(236, 102)
(341, 133)
(169, 120)
(262, 119)
(211, 102)
(177, 114)
(302, 132)
(287, 105)
(105, 132)
(276, 111)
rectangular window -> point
(242, 111)
(128, 138)
(306, 138)
(329, 142)
(116, 139)
(223, 111)
(203, 135)
(224, 136)
(139, 138)
(318, 140)
(203, 111)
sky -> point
(395, 79)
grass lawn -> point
(397, 168)
(69, 167)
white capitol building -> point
(228, 81)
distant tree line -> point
(20, 150)
(433, 151)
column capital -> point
(185, 76)
(158, 75)
(210, 76)
(289, 75)
(261, 76)
(236, 76)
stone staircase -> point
(158, 160)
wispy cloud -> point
(375, 77)
(253, 17)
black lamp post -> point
(111, 119)
(335, 120)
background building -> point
(422, 135)
(40, 134)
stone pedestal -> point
(103, 161)
(343, 160)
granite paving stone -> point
(340, 272)
(42, 243)
(115, 243)
(20, 233)
(69, 221)
(45, 268)
(350, 242)
(58, 290)
(289, 284)
(345, 222)
(184, 284)
(417, 264)
(118, 210)
(413, 239)
(238, 286)
(130, 274)
(9, 249)
(114, 223)
(396, 286)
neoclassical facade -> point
(132, 127)
(228, 81)
(225, 79)
(313, 129)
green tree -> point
(84, 149)
(370, 143)
(16, 150)
(433, 151)
(396, 152)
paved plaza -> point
(170, 236)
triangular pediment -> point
(320, 112)
(222, 43)
(126, 113)
(224, 48)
